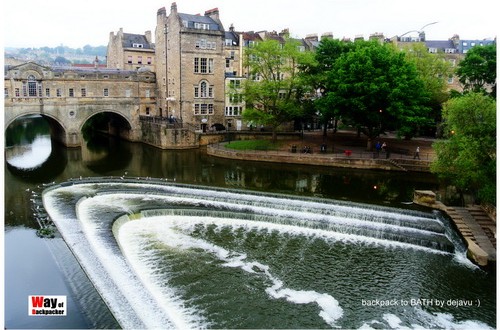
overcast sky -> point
(37, 23)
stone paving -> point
(478, 229)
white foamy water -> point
(125, 272)
(431, 320)
(166, 230)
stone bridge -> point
(67, 117)
(69, 96)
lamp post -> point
(420, 31)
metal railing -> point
(318, 151)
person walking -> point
(417, 153)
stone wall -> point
(160, 136)
(298, 158)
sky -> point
(37, 23)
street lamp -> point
(421, 30)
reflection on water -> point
(28, 143)
(29, 156)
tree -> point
(467, 159)
(376, 89)
(433, 70)
(477, 72)
(328, 51)
(275, 89)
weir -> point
(141, 241)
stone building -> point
(190, 67)
(127, 51)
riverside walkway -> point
(343, 149)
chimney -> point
(213, 14)
(161, 12)
(173, 8)
(147, 34)
(96, 63)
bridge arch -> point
(117, 124)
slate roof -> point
(191, 19)
(233, 37)
(129, 39)
(440, 44)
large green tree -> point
(467, 158)
(275, 89)
(433, 70)
(375, 88)
(478, 70)
(328, 51)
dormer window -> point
(201, 26)
(137, 45)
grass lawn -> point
(254, 145)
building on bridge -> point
(68, 97)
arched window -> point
(32, 86)
(203, 89)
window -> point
(203, 65)
(202, 26)
(6, 92)
(47, 92)
(196, 65)
(235, 98)
(233, 111)
(129, 60)
(228, 63)
(71, 92)
(84, 92)
(139, 59)
(228, 42)
(203, 109)
(150, 60)
(204, 44)
(58, 92)
(147, 111)
(105, 92)
(234, 83)
(17, 92)
(137, 46)
(127, 93)
(147, 93)
(450, 79)
(203, 90)
(32, 86)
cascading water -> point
(175, 256)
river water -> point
(227, 244)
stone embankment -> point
(476, 226)
(346, 158)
